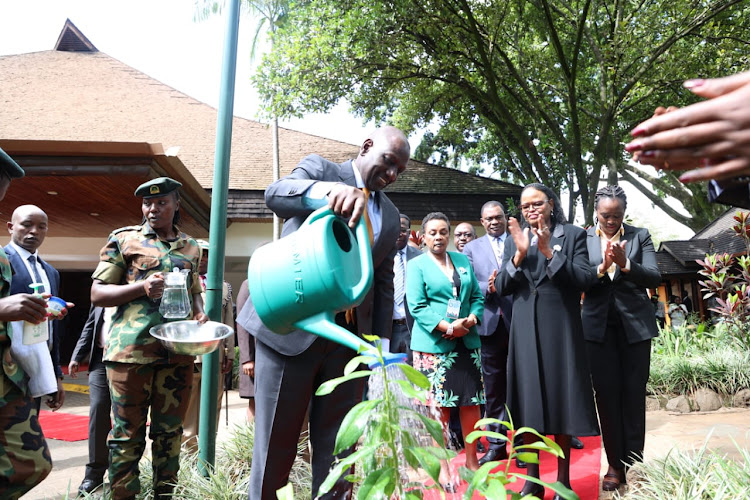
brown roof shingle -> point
(90, 96)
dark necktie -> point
(37, 277)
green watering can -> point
(300, 281)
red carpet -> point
(584, 472)
(64, 426)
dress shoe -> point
(533, 489)
(89, 485)
(521, 464)
(480, 447)
(493, 455)
(610, 482)
(576, 443)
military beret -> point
(203, 244)
(157, 187)
(9, 166)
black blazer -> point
(85, 345)
(284, 197)
(627, 289)
(20, 284)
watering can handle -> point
(365, 252)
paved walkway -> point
(665, 431)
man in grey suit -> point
(485, 255)
(401, 336)
(289, 368)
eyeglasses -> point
(463, 235)
(536, 205)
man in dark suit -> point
(401, 336)
(25, 459)
(485, 255)
(91, 344)
(289, 368)
(28, 228)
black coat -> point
(549, 385)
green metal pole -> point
(217, 236)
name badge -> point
(454, 309)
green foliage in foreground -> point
(229, 479)
(691, 476)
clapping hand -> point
(617, 252)
(543, 235)
(520, 239)
(491, 282)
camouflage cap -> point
(9, 166)
(157, 187)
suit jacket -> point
(85, 345)
(626, 289)
(20, 284)
(428, 292)
(496, 306)
(285, 198)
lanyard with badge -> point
(454, 305)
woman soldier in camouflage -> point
(141, 372)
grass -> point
(229, 478)
(691, 476)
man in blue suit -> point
(485, 255)
(28, 228)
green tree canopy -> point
(538, 90)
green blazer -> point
(427, 294)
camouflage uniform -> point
(141, 372)
(24, 456)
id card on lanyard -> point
(454, 305)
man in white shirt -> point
(28, 229)
(401, 335)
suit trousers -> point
(99, 418)
(495, 375)
(619, 372)
(192, 417)
(401, 340)
(285, 387)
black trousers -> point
(495, 375)
(619, 371)
(99, 420)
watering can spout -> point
(323, 325)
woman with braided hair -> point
(618, 325)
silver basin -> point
(190, 337)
